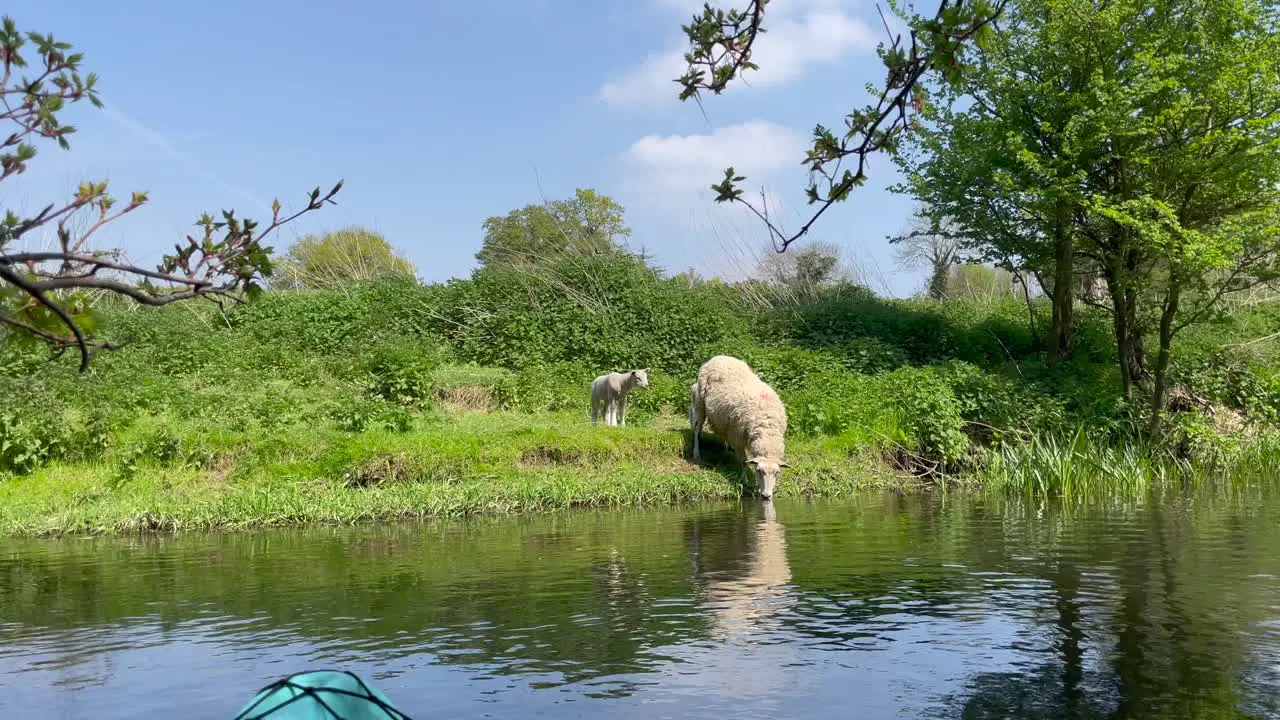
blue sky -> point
(441, 114)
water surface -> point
(882, 607)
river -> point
(885, 606)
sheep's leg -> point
(611, 412)
(622, 410)
(696, 418)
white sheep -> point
(744, 412)
(609, 392)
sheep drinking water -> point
(610, 393)
(744, 412)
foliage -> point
(587, 225)
(43, 293)
(605, 312)
(339, 258)
(401, 372)
(271, 388)
(1117, 140)
(976, 280)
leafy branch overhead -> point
(42, 292)
(720, 49)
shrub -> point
(401, 372)
(992, 406)
(340, 258)
(837, 403)
(361, 414)
(928, 413)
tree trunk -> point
(1021, 277)
(1063, 298)
(1124, 314)
(1160, 393)
(1071, 639)
(938, 280)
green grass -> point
(393, 399)
(461, 464)
(1075, 465)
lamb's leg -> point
(611, 412)
(622, 410)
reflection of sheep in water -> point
(744, 412)
(610, 392)
(761, 591)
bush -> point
(401, 372)
(932, 378)
(600, 313)
(928, 413)
(837, 403)
(993, 406)
(1230, 376)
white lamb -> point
(744, 412)
(610, 393)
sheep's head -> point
(766, 471)
(640, 377)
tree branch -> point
(952, 26)
(227, 259)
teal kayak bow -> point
(320, 695)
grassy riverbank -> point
(463, 462)
(394, 400)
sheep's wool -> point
(741, 409)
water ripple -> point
(914, 608)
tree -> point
(588, 224)
(1006, 168)
(42, 293)
(720, 47)
(338, 258)
(806, 269)
(1186, 201)
(976, 280)
(1140, 140)
(931, 245)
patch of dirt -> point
(904, 461)
(541, 457)
(471, 398)
(1226, 420)
(672, 464)
(220, 467)
(382, 469)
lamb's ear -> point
(784, 463)
(752, 461)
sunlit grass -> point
(464, 464)
(1070, 465)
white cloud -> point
(686, 162)
(670, 176)
(804, 34)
